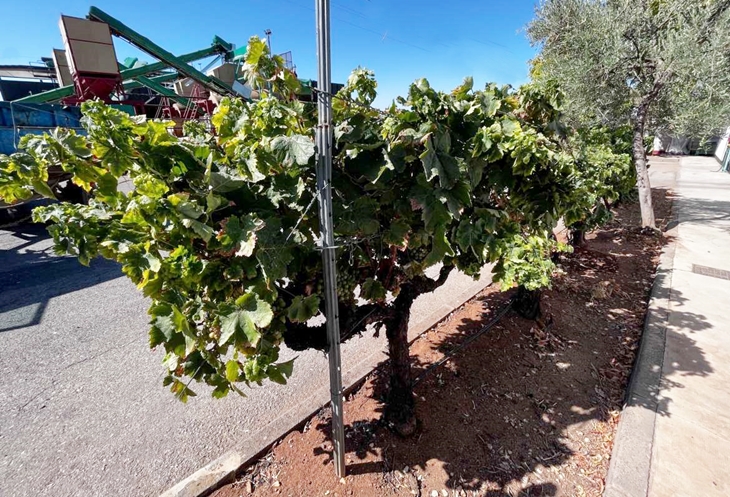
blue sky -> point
(401, 41)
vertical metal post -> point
(267, 32)
(327, 242)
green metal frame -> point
(218, 46)
(162, 90)
(145, 44)
(131, 85)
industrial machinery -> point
(45, 96)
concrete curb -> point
(223, 470)
(629, 469)
(209, 477)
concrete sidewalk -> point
(674, 435)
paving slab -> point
(673, 438)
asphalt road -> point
(82, 408)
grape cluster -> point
(346, 284)
(278, 307)
(419, 253)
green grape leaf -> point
(372, 290)
(181, 390)
(434, 212)
(462, 90)
(273, 254)
(42, 188)
(468, 235)
(278, 373)
(440, 248)
(156, 337)
(213, 202)
(297, 149)
(202, 230)
(302, 309)
(243, 320)
(438, 163)
(226, 180)
(233, 370)
(397, 233)
(165, 325)
(239, 234)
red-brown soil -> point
(526, 409)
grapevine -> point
(219, 234)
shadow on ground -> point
(527, 408)
(32, 275)
(712, 213)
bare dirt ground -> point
(525, 409)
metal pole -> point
(267, 32)
(327, 242)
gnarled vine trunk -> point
(526, 303)
(400, 408)
(577, 237)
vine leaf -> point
(397, 233)
(233, 370)
(303, 309)
(440, 248)
(372, 290)
(297, 149)
(278, 373)
(273, 254)
(438, 163)
(425, 198)
(201, 229)
(242, 320)
(239, 234)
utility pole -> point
(267, 32)
(327, 241)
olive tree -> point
(657, 63)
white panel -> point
(89, 46)
(63, 72)
(82, 29)
(93, 58)
(225, 72)
(185, 87)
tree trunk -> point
(526, 303)
(577, 237)
(400, 410)
(642, 173)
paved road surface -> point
(82, 409)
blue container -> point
(7, 141)
(67, 117)
(17, 120)
(38, 115)
(5, 115)
(9, 136)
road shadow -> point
(32, 275)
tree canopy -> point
(664, 64)
(612, 57)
